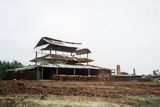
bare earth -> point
(25, 93)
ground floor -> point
(60, 73)
(51, 73)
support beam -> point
(53, 74)
(57, 71)
(87, 58)
(38, 73)
(42, 73)
(89, 72)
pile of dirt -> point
(111, 90)
(11, 87)
(74, 91)
(19, 87)
(129, 93)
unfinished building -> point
(61, 60)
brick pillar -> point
(118, 70)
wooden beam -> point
(56, 71)
(89, 72)
(42, 72)
(87, 58)
(53, 74)
(38, 73)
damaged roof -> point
(47, 40)
(47, 43)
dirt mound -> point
(131, 93)
(81, 91)
(19, 87)
(97, 89)
(12, 86)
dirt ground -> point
(42, 93)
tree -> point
(16, 64)
(5, 65)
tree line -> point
(5, 65)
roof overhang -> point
(47, 40)
(67, 66)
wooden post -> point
(87, 58)
(53, 74)
(42, 72)
(57, 71)
(38, 76)
(89, 72)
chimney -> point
(134, 71)
(118, 70)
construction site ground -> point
(48, 93)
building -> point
(57, 59)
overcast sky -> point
(125, 32)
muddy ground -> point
(25, 93)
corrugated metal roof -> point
(47, 40)
(76, 66)
(23, 68)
